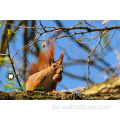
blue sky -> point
(72, 49)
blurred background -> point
(77, 44)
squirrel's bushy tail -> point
(33, 68)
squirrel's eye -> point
(54, 65)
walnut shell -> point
(57, 77)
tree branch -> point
(13, 66)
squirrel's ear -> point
(60, 58)
(51, 51)
(50, 61)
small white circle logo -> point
(10, 76)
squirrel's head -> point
(56, 68)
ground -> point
(49, 96)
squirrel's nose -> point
(61, 70)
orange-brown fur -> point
(47, 73)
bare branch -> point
(89, 59)
(76, 76)
(13, 66)
(109, 40)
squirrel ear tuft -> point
(60, 59)
(51, 51)
(50, 61)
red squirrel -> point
(47, 72)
